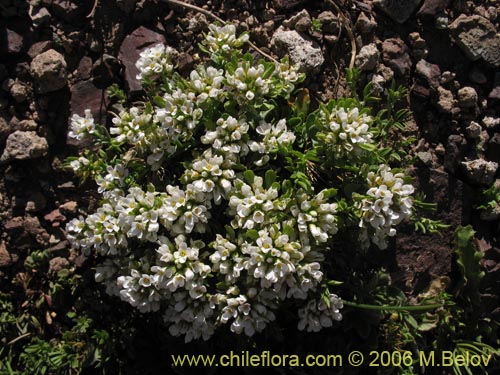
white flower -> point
(81, 127)
(154, 61)
(221, 39)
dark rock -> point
(185, 62)
(396, 56)
(455, 151)
(126, 5)
(132, 45)
(40, 47)
(15, 42)
(106, 70)
(4, 127)
(36, 202)
(398, 10)
(23, 146)
(70, 10)
(365, 25)
(84, 70)
(474, 130)
(14, 225)
(429, 72)
(49, 71)
(301, 21)
(85, 95)
(32, 226)
(39, 15)
(286, 5)
(477, 37)
(329, 22)
(477, 76)
(493, 152)
(433, 7)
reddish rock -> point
(6, 259)
(39, 48)
(14, 42)
(396, 56)
(55, 218)
(433, 7)
(84, 95)
(140, 39)
(84, 69)
(14, 224)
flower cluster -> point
(155, 61)
(345, 130)
(82, 127)
(206, 216)
(388, 202)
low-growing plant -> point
(223, 192)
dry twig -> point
(347, 25)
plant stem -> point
(393, 308)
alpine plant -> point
(209, 213)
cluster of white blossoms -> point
(345, 130)
(222, 39)
(81, 127)
(191, 223)
(317, 315)
(155, 61)
(387, 203)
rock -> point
(447, 77)
(19, 92)
(491, 122)
(303, 52)
(425, 157)
(477, 76)
(126, 5)
(140, 39)
(57, 264)
(474, 130)
(106, 70)
(433, 7)
(364, 24)
(477, 37)
(14, 225)
(49, 71)
(85, 95)
(329, 22)
(467, 97)
(286, 5)
(300, 22)
(36, 202)
(494, 148)
(6, 259)
(32, 226)
(69, 10)
(4, 128)
(418, 45)
(39, 16)
(429, 72)
(398, 10)
(40, 47)
(55, 217)
(15, 42)
(455, 149)
(445, 102)
(69, 207)
(367, 58)
(480, 171)
(23, 145)
(395, 55)
(84, 70)
(495, 94)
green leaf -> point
(252, 234)
(249, 176)
(269, 178)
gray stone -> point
(365, 25)
(23, 145)
(474, 130)
(368, 57)
(396, 56)
(140, 39)
(49, 71)
(4, 127)
(15, 42)
(430, 72)
(300, 22)
(480, 171)
(303, 52)
(329, 22)
(491, 122)
(477, 37)
(398, 10)
(467, 97)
